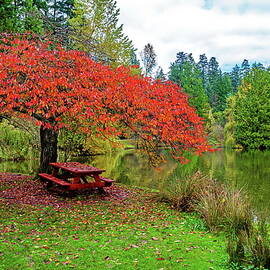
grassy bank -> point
(228, 209)
(126, 230)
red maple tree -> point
(50, 84)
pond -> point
(248, 170)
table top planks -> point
(77, 168)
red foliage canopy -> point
(51, 84)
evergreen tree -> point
(213, 67)
(219, 86)
(95, 29)
(59, 11)
(135, 63)
(257, 65)
(223, 91)
(203, 67)
(133, 59)
(160, 75)
(213, 77)
(190, 59)
(187, 75)
(245, 68)
(21, 15)
(183, 57)
(56, 16)
(149, 59)
(252, 110)
(229, 129)
(235, 78)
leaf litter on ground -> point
(128, 226)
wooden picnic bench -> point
(73, 176)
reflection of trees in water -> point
(250, 170)
(135, 169)
(247, 170)
(253, 171)
(132, 167)
(29, 167)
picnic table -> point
(73, 176)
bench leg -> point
(102, 191)
(108, 184)
(84, 180)
(55, 171)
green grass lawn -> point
(132, 233)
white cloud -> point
(230, 30)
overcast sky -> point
(230, 30)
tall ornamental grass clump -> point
(251, 249)
(221, 206)
(225, 208)
(259, 244)
(184, 194)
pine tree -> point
(235, 78)
(203, 67)
(181, 57)
(187, 75)
(133, 59)
(20, 16)
(59, 11)
(245, 68)
(96, 30)
(160, 75)
(229, 128)
(219, 86)
(213, 76)
(258, 65)
(190, 59)
(224, 90)
(213, 67)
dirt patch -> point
(23, 189)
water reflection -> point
(250, 170)
(132, 167)
(28, 167)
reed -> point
(223, 207)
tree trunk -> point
(48, 140)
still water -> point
(247, 170)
